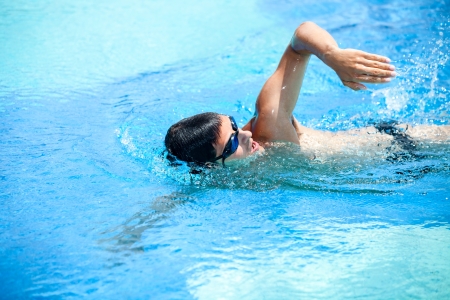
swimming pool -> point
(90, 208)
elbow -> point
(306, 24)
(301, 35)
(303, 29)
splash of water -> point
(419, 92)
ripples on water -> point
(92, 209)
(416, 96)
(285, 166)
(268, 228)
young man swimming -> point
(209, 137)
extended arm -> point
(352, 66)
(278, 97)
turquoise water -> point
(90, 209)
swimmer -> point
(211, 137)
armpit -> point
(249, 124)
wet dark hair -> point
(192, 139)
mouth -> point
(255, 147)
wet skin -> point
(247, 146)
(273, 120)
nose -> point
(246, 134)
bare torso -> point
(274, 120)
(366, 141)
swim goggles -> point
(232, 144)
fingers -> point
(363, 67)
(371, 79)
(354, 85)
(378, 65)
(363, 70)
(375, 57)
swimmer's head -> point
(209, 137)
(192, 139)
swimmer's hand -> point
(355, 66)
(352, 66)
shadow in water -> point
(128, 235)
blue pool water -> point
(90, 209)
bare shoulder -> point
(277, 99)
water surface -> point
(91, 209)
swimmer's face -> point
(247, 146)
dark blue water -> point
(90, 208)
